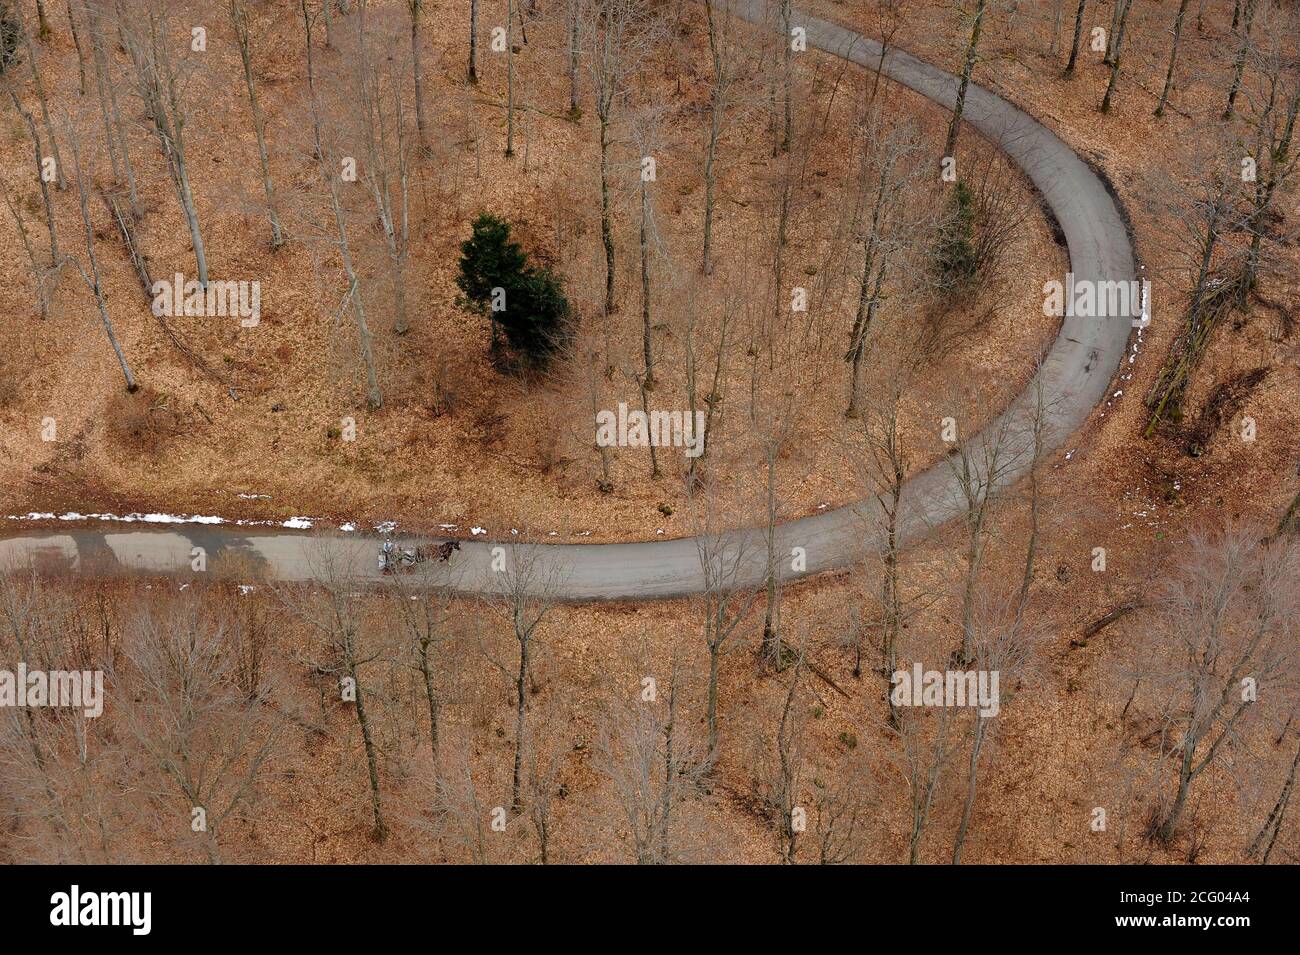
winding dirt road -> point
(1074, 377)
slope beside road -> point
(1073, 378)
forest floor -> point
(458, 442)
(1060, 751)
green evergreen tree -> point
(956, 258)
(530, 314)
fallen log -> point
(1106, 619)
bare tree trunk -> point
(159, 83)
(972, 779)
(473, 41)
(239, 16)
(787, 75)
(38, 271)
(575, 22)
(1122, 9)
(325, 157)
(61, 180)
(114, 130)
(431, 698)
(380, 829)
(1173, 58)
(40, 177)
(711, 709)
(92, 279)
(711, 149)
(968, 64)
(770, 649)
(416, 8)
(869, 290)
(1078, 30)
(521, 690)
(647, 349)
(1278, 168)
(1290, 523)
(76, 42)
(1171, 383)
(1273, 825)
(42, 21)
(1239, 68)
(1117, 12)
(606, 225)
(375, 396)
(510, 78)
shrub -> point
(10, 35)
(529, 312)
(955, 258)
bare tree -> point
(91, 278)
(76, 42)
(386, 134)
(33, 64)
(115, 130)
(526, 581)
(64, 798)
(544, 761)
(460, 817)
(40, 273)
(1223, 638)
(1173, 57)
(1266, 839)
(416, 10)
(619, 37)
(723, 557)
(843, 806)
(928, 747)
(146, 26)
(654, 766)
(886, 464)
(243, 36)
(889, 173)
(330, 171)
(1273, 115)
(968, 64)
(887, 19)
(1197, 213)
(473, 41)
(1122, 9)
(778, 765)
(425, 616)
(41, 176)
(574, 10)
(1003, 644)
(209, 741)
(722, 40)
(331, 608)
(981, 468)
(1078, 31)
(1247, 12)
